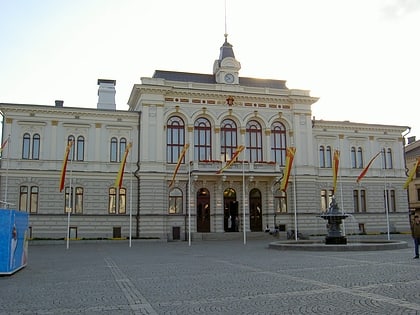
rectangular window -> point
(326, 199)
(112, 198)
(281, 202)
(359, 200)
(363, 200)
(79, 200)
(356, 201)
(73, 203)
(28, 199)
(34, 200)
(390, 201)
(23, 198)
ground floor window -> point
(359, 200)
(175, 201)
(113, 197)
(31, 193)
(326, 199)
(280, 202)
(389, 200)
(73, 202)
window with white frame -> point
(112, 201)
(175, 201)
(28, 199)
(73, 201)
(359, 200)
(31, 146)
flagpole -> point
(131, 199)
(243, 198)
(386, 194)
(6, 204)
(189, 204)
(69, 204)
(295, 201)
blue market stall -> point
(13, 240)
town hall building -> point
(184, 129)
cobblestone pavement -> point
(210, 277)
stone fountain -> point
(334, 218)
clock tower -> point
(226, 68)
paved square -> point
(210, 277)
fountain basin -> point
(318, 245)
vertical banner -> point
(411, 174)
(3, 145)
(120, 175)
(234, 157)
(178, 164)
(64, 166)
(363, 173)
(290, 155)
(336, 162)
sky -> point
(361, 58)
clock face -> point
(229, 78)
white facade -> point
(250, 185)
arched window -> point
(228, 139)
(353, 157)
(72, 150)
(254, 141)
(36, 139)
(278, 143)
(359, 157)
(113, 150)
(123, 146)
(202, 140)
(26, 146)
(80, 148)
(387, 158)
(175, 201)
(175, 139)
(322, 156)
(325, 157)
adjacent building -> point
(184, 129)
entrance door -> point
(255, 211)
(231, 215)
(203, 211)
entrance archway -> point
(255, 210)
(203, 210)
(231, 215)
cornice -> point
(325, 126)
(45, 110)
(269, 95)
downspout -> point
(137, 174)
(406, 173)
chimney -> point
(106, 94)
(59, 103)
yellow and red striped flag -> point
(64, 166)
(411, 174)
(336, 162)
(3, 145)
(290, 155)
(178, 164)
(120, 175)
(363, 173)
(232, 160)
